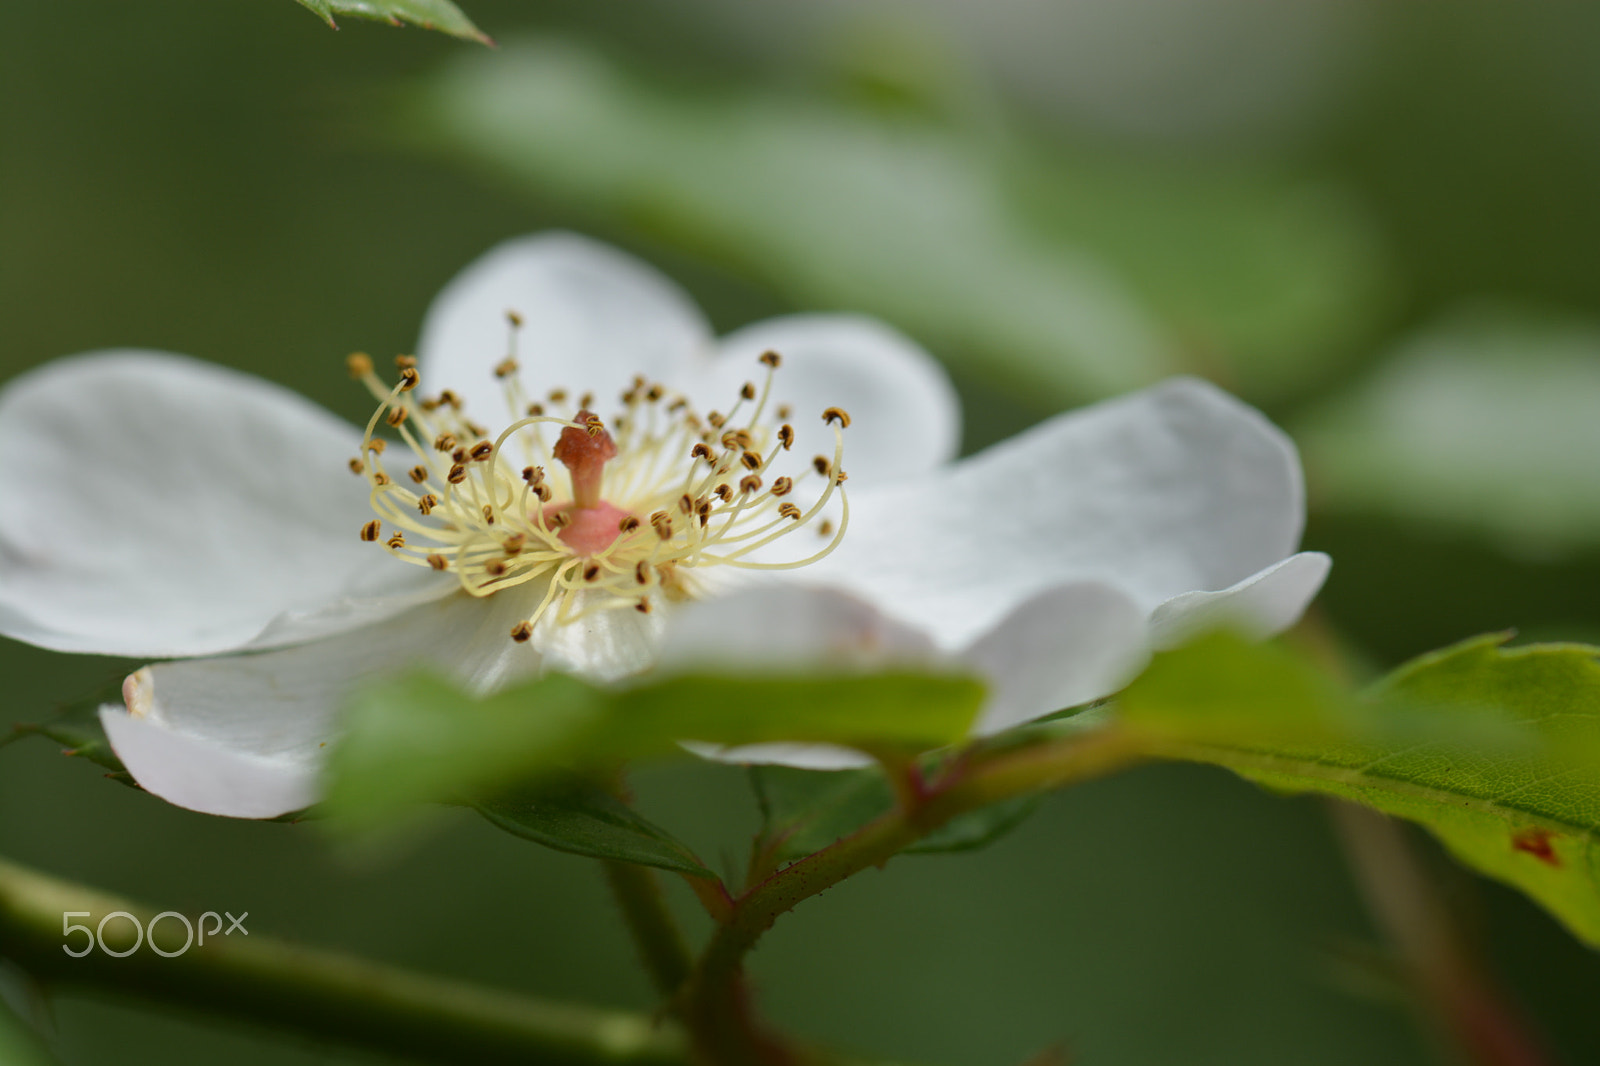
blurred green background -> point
(1375, 220)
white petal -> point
(1062, 648)
(609, 644)
(160, 506)
(1261, 605)
(789, 627)
(1173, 489)
(593, 317)
(202, 775)
(245, 735)
(905, 417)
(799, 756)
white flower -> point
(158, 507)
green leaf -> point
(578, 816)
(420, 739)
(1039, 265)
(1494, 750)
(441, 15)
(803, 811)
(1486, 421)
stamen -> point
(496, 524)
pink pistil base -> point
(589, 530)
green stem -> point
(319, 993)
(714, 996)
(661, 945)
(1453, 984)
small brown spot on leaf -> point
(1536, 841)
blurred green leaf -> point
(806, 810)
(441, 15)
(1495, 750)
(977, 829)
(580, 817)
(18, 1044)
(421, 739)
(76, 727)
(1487, 421)
(1037, 265)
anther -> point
(398, 540)
(560, 521)
(438, 562)
(821, 464)
(515, 319)
(677, 405)
(459, 455)
(495, 568)
(429, 404)
(444, 442)
(789, 510)
(750, 483)
(783, 412)
(418, 474)
(380, 478)
(535, 410)
(474, 428)
(533, 475)
(699, 451)
(513, 544)
(405, 362)
(662, 523)
(457, 475)
(826, 527)
(543, 492)
(408, 379)
(591, 571)
(505, 368)
(703, 510)
(837, 414)
(522, 632)
(724, 491)
(643, 606)
(783, 486)
(488, 514)
(558, 396)
(717, 419)
(641, 572)
(786, 436)
(586, 400)
(686, 503)
(371, 530)
(628, 524)
(747, 391)
(357, 466)
(771, 358)
(655, 393)
(359, 364)
(450, 398)
(751, 460)
(396, 415)
(376, 445)
(481, 451)
(427, 503)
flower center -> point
(649, 502)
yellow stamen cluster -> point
(690, 491)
